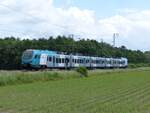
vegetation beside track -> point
(21, 77)
(104, 91)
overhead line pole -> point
(115, 35)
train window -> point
(67, 60)
(36, 56)
(63, 60)
(72, 60)
(59, 60)
(103, 62)
(97, 61)
(50, 59)
(112, 62)
(123, 62)
(28, 54)
(87, 61)
(80, 61)
(108, 62)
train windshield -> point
(27, 54)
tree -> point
(11, 49)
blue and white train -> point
(51, 59)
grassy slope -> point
(125, 92)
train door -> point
(71, 61)
(50, 62)
(54, 61)
(66, 62)
(43, 59)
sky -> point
(85, 19)
(105, 8)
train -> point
(32, 58)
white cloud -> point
(39, 18)
(133, 28)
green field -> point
(108, 92)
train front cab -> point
(30, 59)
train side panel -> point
(50, 59)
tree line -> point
(11, 49)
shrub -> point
(83, 71)
(132, 66)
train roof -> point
(42, 51)
(76, 55)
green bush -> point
(137, 65)
(132, 66)
(83, 71)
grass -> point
(107, 91)
(20, 77)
